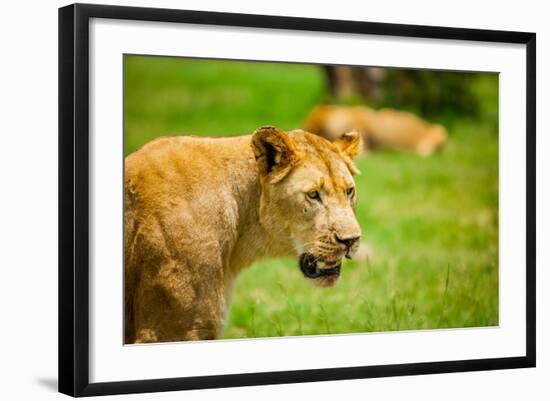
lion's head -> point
(308, 197)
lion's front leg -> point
(179, 304)
(144, 335)
(150, 335)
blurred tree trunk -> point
(355, 81)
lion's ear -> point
(350, 143)
(275, 153)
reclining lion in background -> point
(381, 129)
(200, 210)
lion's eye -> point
(350, 192)
(314, 195)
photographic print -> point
(272, 200)
(266, 199)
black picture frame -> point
(74, 198)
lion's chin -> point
(326, 281)
(321, 274)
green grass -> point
(432, 223)
(169, 96)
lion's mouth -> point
(311, 268)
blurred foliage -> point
(441, 96)
(432, 223)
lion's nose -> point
(347, 241)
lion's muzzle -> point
(311, 268)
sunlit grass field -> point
(431, 223)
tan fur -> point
(200, 210)
(385, 128)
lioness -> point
(381, 129)
(200, 210)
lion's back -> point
(180, 190)
(402, 130)
(331, 121)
